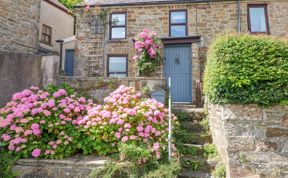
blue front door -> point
(69, 62)
(177, 66)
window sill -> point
(259, 33)
(117, 40)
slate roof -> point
(142, 2)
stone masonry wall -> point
(252, 141)
(100, 87)
(19, 25)
(206, 19)
(73, 167)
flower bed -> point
(126, 118)
(52, 123)
(41, 124)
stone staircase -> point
(190, 140)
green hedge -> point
(243, 69)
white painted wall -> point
(62, 25)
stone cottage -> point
(186, 27)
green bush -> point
(137, 161)
(243, 69)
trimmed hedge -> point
(243, 69)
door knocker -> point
(177, 60)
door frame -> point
(171, 45)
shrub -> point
(136, 161)
(220, 170)
(244, 69)
(6, 163)
(41, 124)
(126, 118)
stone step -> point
(200, 146)
(186, 173)
(204, 165)
(193, 126)
(192, 113)
(175, 105)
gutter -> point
(239, 16)
(153, 3)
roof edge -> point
(154, 3)
(66, 10)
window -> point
(258, 18)
(117, 66)
(178, 23)
(46, 36)
(118, 26)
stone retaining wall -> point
(75, 167)
(19, 71)
(252, 141)
(100, 87)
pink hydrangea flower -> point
(6, 137)
(125, 139)
(118, 135)
(28, 132)
(34, 126)
(36, 132)
(46, 113)
(56, 94)
(36, 153)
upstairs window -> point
(178, 23)
(118, 26)
(46, 35)
(258, 18)
(117, 66)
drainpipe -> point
(61, 51)
(239, 16)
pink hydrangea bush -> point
(147, 47)
(127, 118)
(37, 123)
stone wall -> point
(19, 25)
(252, 141)
(19, 71)
(74, 167)
(100, 87)
(205, 19)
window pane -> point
(257, 19)
(178, 17)
(118, 19)
(118, 32)
(178, 30)
(117, 64)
